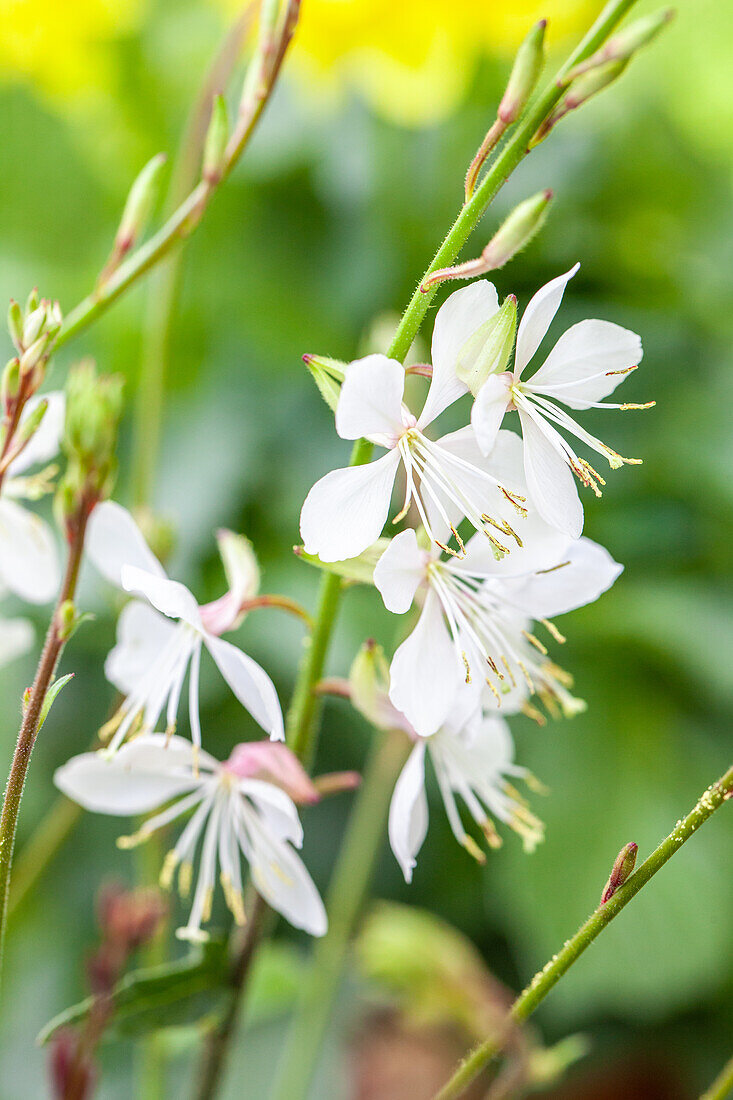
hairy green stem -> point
(550, 975)
(347, 891)
(722, 1086)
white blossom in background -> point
(16, 638)
(345, 511)
(235, 813)
(29, 560)
(160, 640)
(473, 763)
(585, 365)
(475, 627)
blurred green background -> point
(325, 227)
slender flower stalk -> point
(525, 1004)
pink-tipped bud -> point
(622, 868)
(217, 137)
(524, 75)
(71, 1071)
(139, 205)
(129, 918)
(275, 763)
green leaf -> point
(357, 570)
(173, 994)
(51, 696)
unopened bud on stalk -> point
(10, 382)
(33, 325)
(517, 230)
(15, 324)
(30, 425)
(66, 620)
(522, 80)
(622, 868)
(328, 374)
(579, 92)
(216, 141)
(487, 350)
(139, 205)
(625, 44)
(33, 354)
(32, 301)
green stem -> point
(349, 887)
(545, 979)
(40, 849)
(722, 1086)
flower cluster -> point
(494, 551)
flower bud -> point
(10, 382)
(625, 43)
(524, 75)
(15, 323)
(216, 141)
(487, 350)
(34, 353)
(275, 763)
(328, 374)
(369, 689)
(580, 91)
(139, 205)
(70, 1067)
(66, 620)
(32, 301)
(622, 868)
(129, 918)
(517, 230)
(30, 424)
(33, 325)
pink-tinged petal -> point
(29, 562)
(426, 673)
(345, 511)
(114, 539)
(457, 319)
(16, 638)
(408, 812)
(587, 363)
(276, 763)
(142, 634)
(170, 597)
(370, 402)
(141, 776)
(399, 571)
(538, 317)
(585, 571)
(243, 578)
(250, 683)
(44, 444)
(489, 408)
(550, 480)
(280, 876)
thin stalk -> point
(39, 850)
(550, 975)
(52, 649)
(347, 892)
(722, 1086)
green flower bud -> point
(32, 301)
(33, 354)
(15, 323)
(66, 620)
(517, 230)
(524, 75)
(10, 381)
(140, 203)
(33, 325)
(488, 349)
(216, 141)
(30, 425)
(369, 683)
(625, 43)
(328, 374)
(93, 407)
(591, 83)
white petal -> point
(399, 572)
(170, 597)
(408, 812)
(538, 317)
(130, 782)
(550, 480)
(44, 444)
(586, 571)
(142, 634)
(114, 539)
(456, 320)
(489, 409)
(587, 363)
(16, 638)
(29, 563)
(426, 672)
(345, 511)
(280, 876)
(250, 683)
(276, 807)
(370, 402)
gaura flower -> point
(152, 655)
(29, 563)
(473, 763)
(235, 813)
(585, 365)
(16, 638)
(474, 629)
(345, 511)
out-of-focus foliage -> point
(326, 226)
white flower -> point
(471, 762)
(345, 511)
(585, 365)
(474, 628)
(29, 562)
(16, 638)
(233, 813)
(151, 658)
